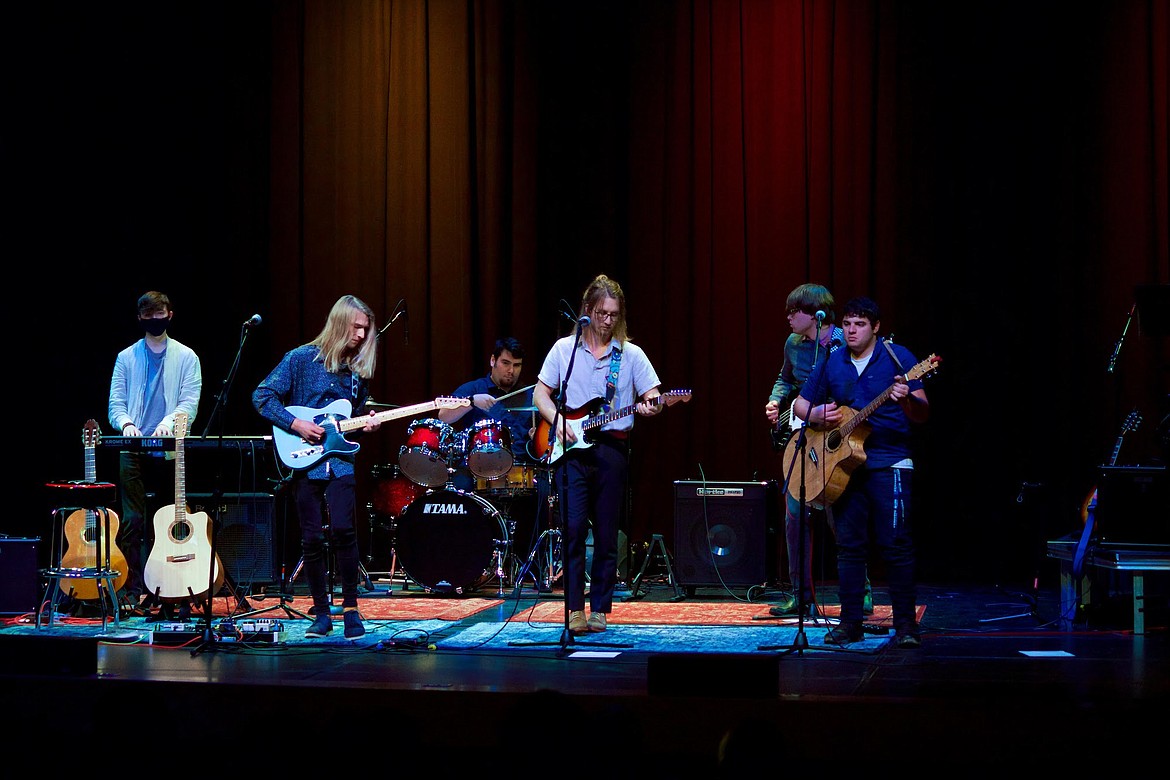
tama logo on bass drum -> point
(444, 509)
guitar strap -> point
(615, 364)
(886, 343)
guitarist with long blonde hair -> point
(337, 365)
(875, 506)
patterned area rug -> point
(684, 613)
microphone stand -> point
(399, 310)
(217, 495)
(560, 420)
(1117, 346)
(800, 641)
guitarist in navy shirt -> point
(337, 365)
(875, 506)
(811, 340)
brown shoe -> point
(596, 622)
(577, 623)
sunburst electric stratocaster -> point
(587, 419)
(85, 533)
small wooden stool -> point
(68, 497)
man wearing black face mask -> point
(154, 378)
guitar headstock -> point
(1132, 421)
(672, 397)
(180, 425)
(925, 368)
(450, 402)
(90, 434)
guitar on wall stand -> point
(84, 534)
(179, 562)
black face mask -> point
(155, 326)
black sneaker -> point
(353, 625)
(844, 634)
(321, 626)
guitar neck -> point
(1116, 450)
(851, 424)
(917, 372)
(180, 480)
(353, 423)
(90, 465)
(625, 411)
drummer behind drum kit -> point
(449, 540)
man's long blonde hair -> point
(334, 337)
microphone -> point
(397, 313)
(253, 321)
(820, 315)
(583, 320)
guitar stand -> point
(656, 543)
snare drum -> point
(448, 541)
(518, 481)
(488, 449)
(423, 459)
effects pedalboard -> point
(251, 630)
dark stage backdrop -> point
(994, 174)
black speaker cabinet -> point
(725, 533)
(245, 540)
(20, 584)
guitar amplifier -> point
(245, 540)
(725, 532)
(1133, 506)
(20, 586)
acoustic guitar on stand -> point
(180, 566)
(586, 419)
(85, 533)
(833, 454)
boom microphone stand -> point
(561, 423)
(800, 641)
(217, 494)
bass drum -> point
(448, 541)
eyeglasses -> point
(606, 315)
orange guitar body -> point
(85, 534)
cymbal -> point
(522, 409)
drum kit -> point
(445, 539)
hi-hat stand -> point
(547, 552)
